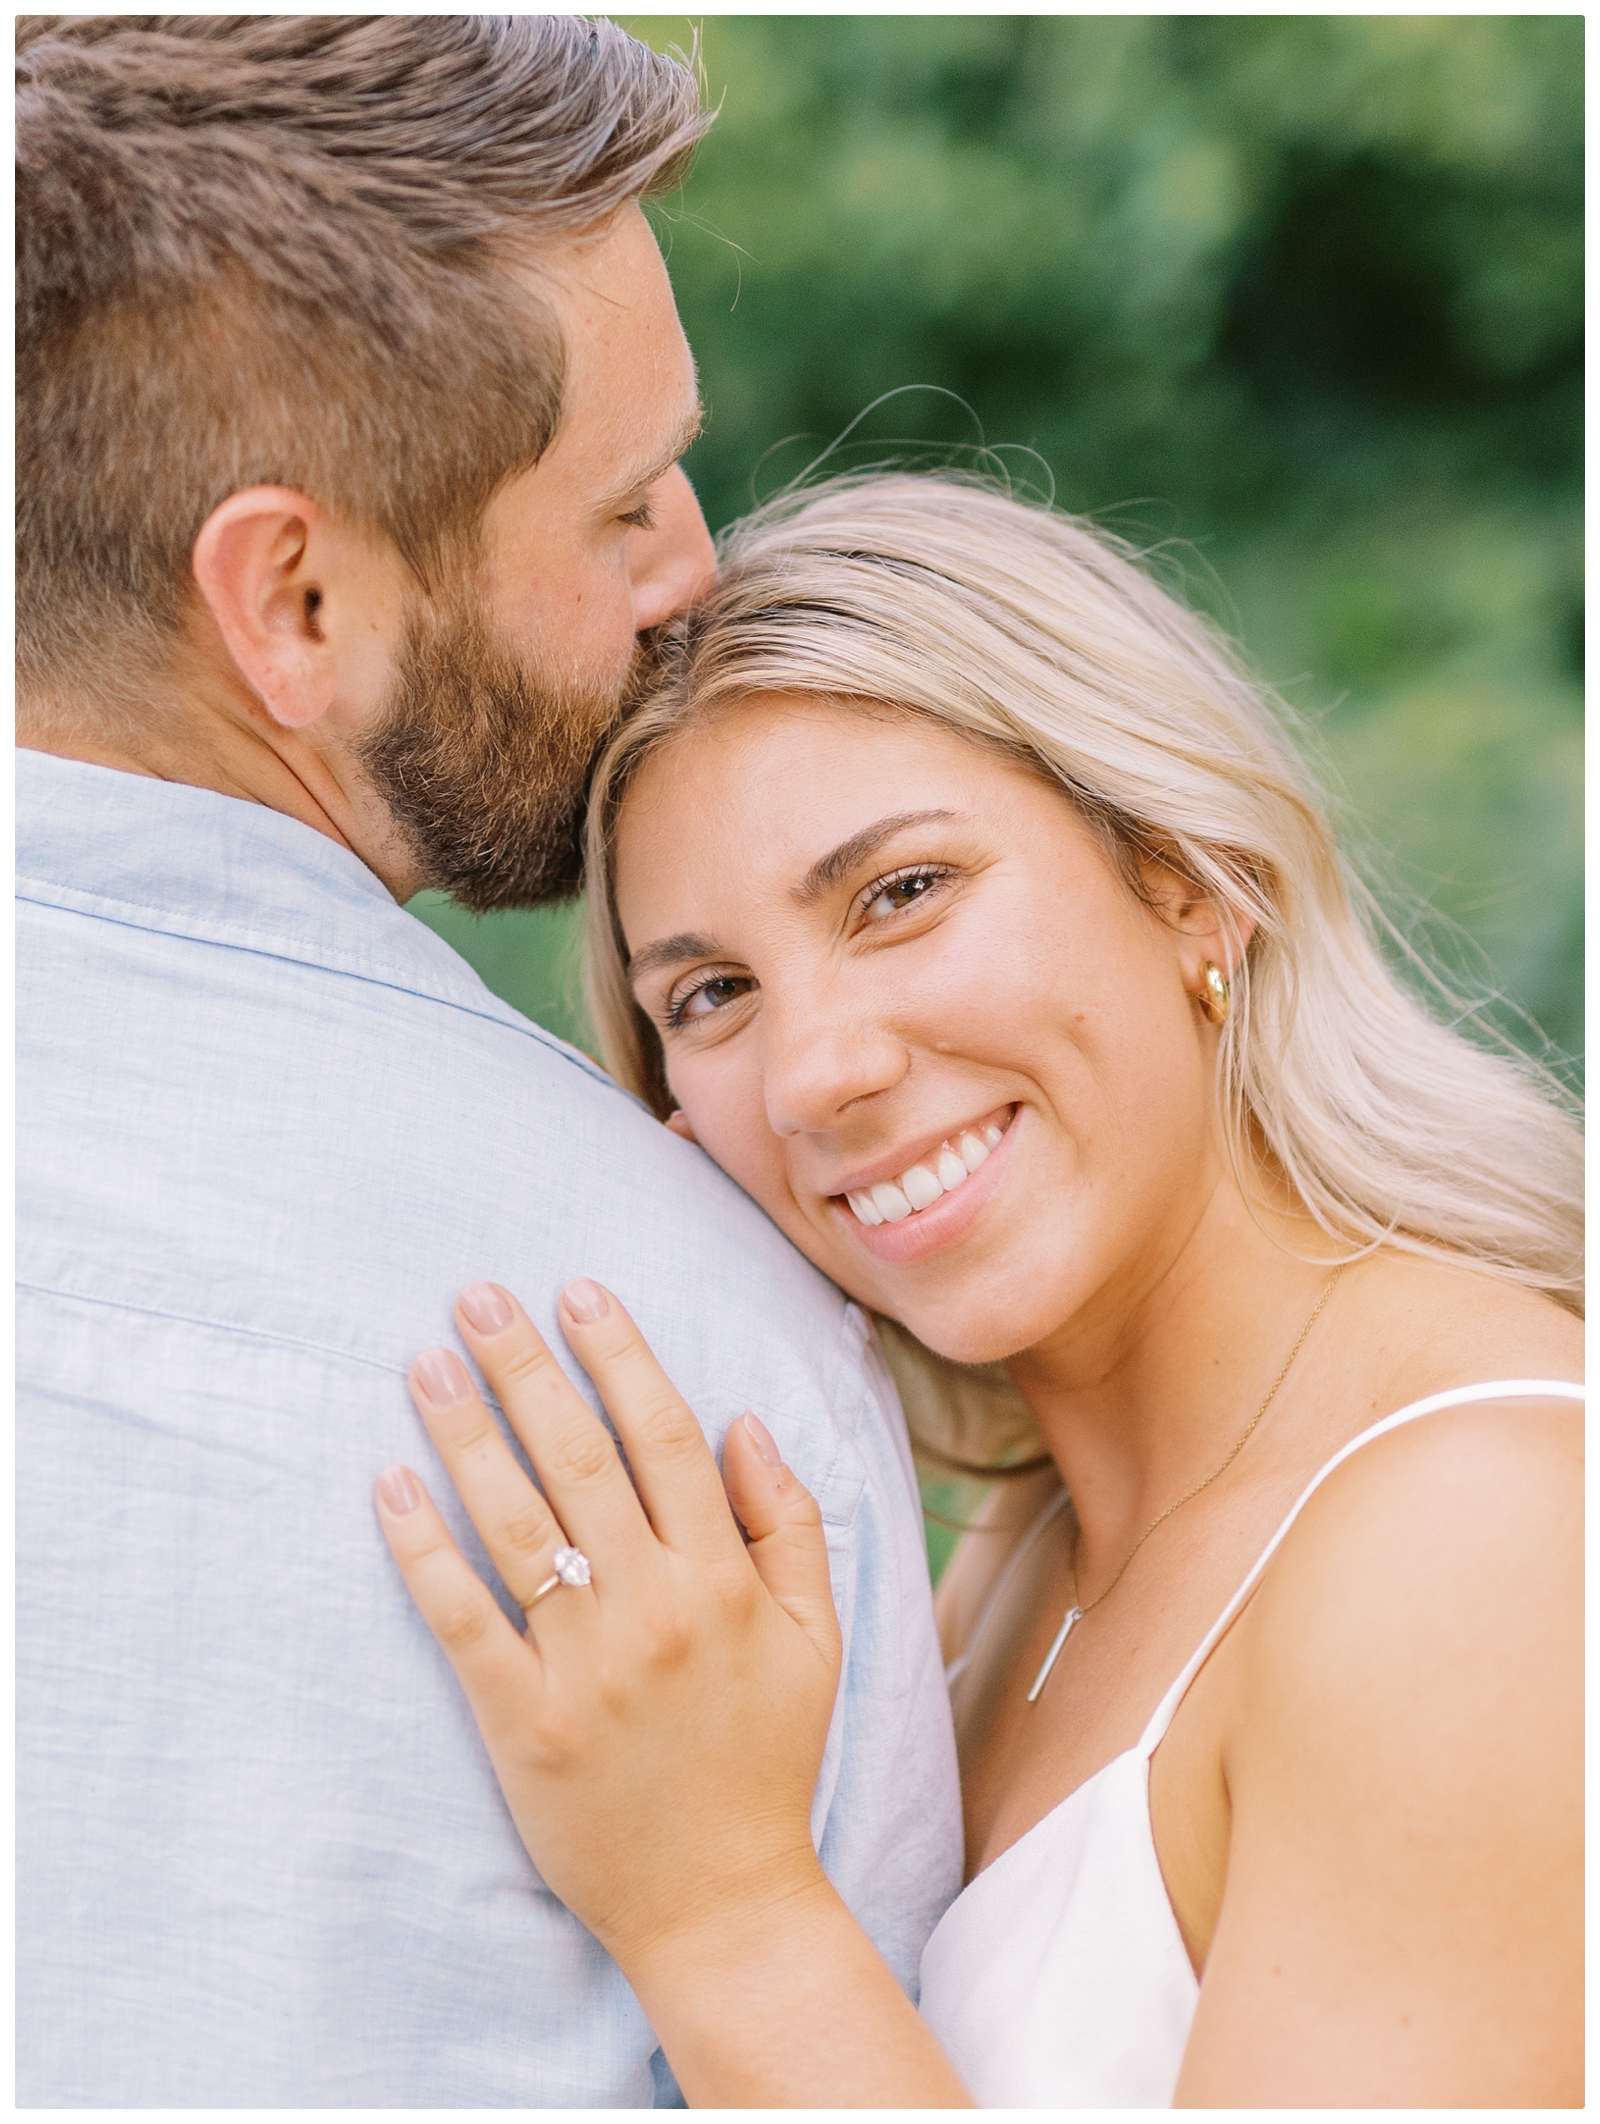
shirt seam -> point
(202, 1320)
(844, 1432)
(161, 922)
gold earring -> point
(1213, 998)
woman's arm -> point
(1402, 1922)
(658, 1731)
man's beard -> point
(483, 761)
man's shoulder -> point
(262, 1098)
(142, 859)
(247, 1144)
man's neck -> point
(291, 772)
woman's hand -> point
(658, 1731)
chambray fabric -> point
(268, 1124)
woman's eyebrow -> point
(667, 951)
(825, 873)
(838, 863)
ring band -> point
(570, 1568)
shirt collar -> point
(189, 862)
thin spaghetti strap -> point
(1485, 1390)
(1013, 1562)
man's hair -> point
(270, 249)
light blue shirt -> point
(268, 1125)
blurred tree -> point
(532, 960)
(1294, 300)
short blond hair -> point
(268, 249)
(1034, 632)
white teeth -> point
(950, 1168)
(891, 1205)
(973, 1151)
(920, 1187)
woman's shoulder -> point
(1436, 1548)
(1432, 1587)
(1428, 1327)
(1403, 1724)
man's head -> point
(348, 375)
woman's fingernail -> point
(762, 1439)
(442, 1377)
(399, 1489)
(485, 1307)
(584, 1300)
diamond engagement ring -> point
(569, 1567)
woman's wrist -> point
(780, 2000)
(714, 1925)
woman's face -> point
(898, 979)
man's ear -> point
(255, 565)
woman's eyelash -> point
(928, 875)
(676, 1014)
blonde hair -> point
(1038, 634)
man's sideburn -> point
(483, 759)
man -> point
(352, 394)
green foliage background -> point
(1297, 299)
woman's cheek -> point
(730, 1126)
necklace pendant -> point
(1054, 1653)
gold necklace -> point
(1075, 1613)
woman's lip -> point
(881, 1169)
(945, 1221)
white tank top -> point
(1058, 1978)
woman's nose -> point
(819, 1067)
(672, 562)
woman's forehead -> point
(772, 786)
(756, 743)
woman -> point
(959, 895)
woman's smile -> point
(906, 999)
(936, 1198)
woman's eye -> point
(709, 997)
(892, 895)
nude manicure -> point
(485, 1307)
(399, 1489)
(585, 1301)
(762, 1439)
(442, 1378)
